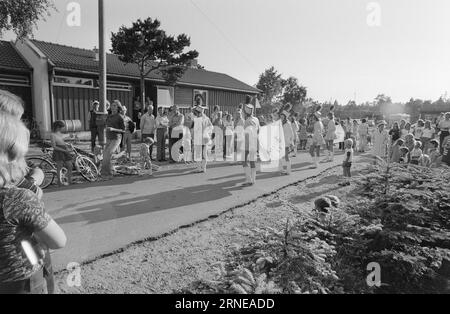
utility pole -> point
(101, 122)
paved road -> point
(102, 217)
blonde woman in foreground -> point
(25, 228)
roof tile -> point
(10, 58)
(78, 59)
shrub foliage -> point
(398, 217)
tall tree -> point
(413, 107)
(271, 84)
(293, 93)
(382, 103)
(21, 16)
(148, 46)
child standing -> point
(418, 131)
(395, 153)
(354, 135)
(404, 155)
(144, 153)
(434, 152)
(295, 129)
(347, 164)
(61, 155)
(416, 153)
(303, 134)
(446, 152)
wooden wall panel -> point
(73, 103)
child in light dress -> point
(144, 153)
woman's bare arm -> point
(52, 236)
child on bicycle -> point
(61, 155)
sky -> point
(338, 49)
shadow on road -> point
(186, 196)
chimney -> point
(96, 54)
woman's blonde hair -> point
(14, 140)
(11, 104)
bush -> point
(399, 217)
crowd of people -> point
(423, 142)
(27, 232)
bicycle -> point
(33, 126)
(82, 163)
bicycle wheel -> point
(86, 168)
(46, 166)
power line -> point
(230, 42)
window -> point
(201, 97)
(165, 96)
(14, 80)
(89, 83)
(119, 86)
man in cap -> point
(202, 137)
(251, 127)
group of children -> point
(405, 153)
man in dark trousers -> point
(162, 124)
(93, 125)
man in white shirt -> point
(202, 131)
(162, 125)
(251, 127)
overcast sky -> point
(327, 44)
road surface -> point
(102, 217)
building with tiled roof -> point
(15, 73)
(65, 83)
(10, 58)
(76, 59)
